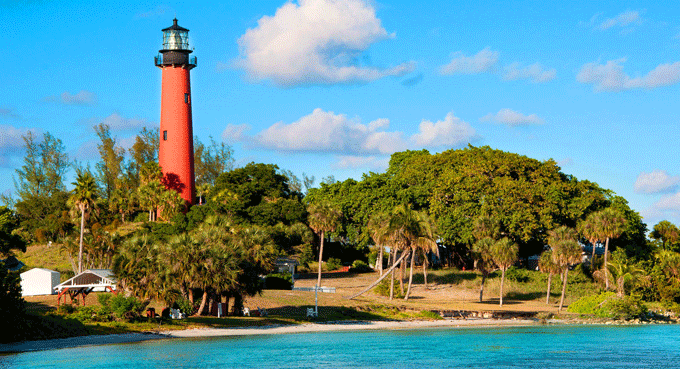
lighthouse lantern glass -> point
(175, 40)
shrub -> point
(122, 307)
(278, 281)
(383, 288)
(66, 309)
(518, 275)
(184, 305)
(608, 305)
(430, 315)
(333, 264)
(360, 266)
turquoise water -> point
(656, 346)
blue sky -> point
(334, 87)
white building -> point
(39, 281)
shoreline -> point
(336, 326)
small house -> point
(39, 281)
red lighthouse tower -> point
(176, 151)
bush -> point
(383, 288)
(360, 266)
(122, 307)
(184, 305)
(608, 305)
(333, 264)
(278, 281)
(518, 275)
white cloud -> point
(611, 77)
(535, 72)
(323, 131)
(512, 118)
(12, 142)
(658, 181)
(8, 113)
(483, 61)
(622, 20)
(118, 123)
(452, 131)
(235, 132)
(314, 42)
(157, 11)
(81, 98)
(372, 162)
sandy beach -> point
(251, 331)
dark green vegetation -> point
(473, 208)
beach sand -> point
(251, 331)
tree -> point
(623, 272)
(481, 253)
(8, 239)
(667, 232)
(504, 253)
(211, 161)
(610, 225)
(12, 304)
(323, 218)
(45, 165)
(377, 225)
(82, 199)
(588, 228)
(109, 168)
(415, 231)
(566, 251)
(548, 266)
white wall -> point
(39, 281)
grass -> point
(47, 256)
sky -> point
(333, 87)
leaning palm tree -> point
(610, 225)
(82, 199)
(323, 218)
(504, 253)
(588, 229)
(548, 266)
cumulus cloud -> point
(353, 141)
(452, 131)
(512, 118)
(118, 123)
(235, 132)
(535, 72)
(611, 77)
(373, 162)
(483, 61)
(323, 131)
(8, 113)
(315, 42)
(624, 19)
(81, 98)
(11, 143)
(658, 181)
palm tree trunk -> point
(82, 230)
(318, 282)
(203, 300)
(394, 261)
(402, 269)
(379, 262)
(410, 276)
(619, 284)
(425, 262)
(606, 271)
(547, 295)
(592, 259)
(481, 289)
(564, 288)
(502, 281)
(387, 272)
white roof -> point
(90, 278)
(35, 270)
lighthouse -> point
(176, 149)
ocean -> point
(561, 346)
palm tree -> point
(323, 218)
(566, 251)
(624, 272)
(415, 231)
(504, 253)
(548, 266)
(588, 229)
(481, 252)
(377, 225)
(667, 232)
(610, 225)
(83, 198)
